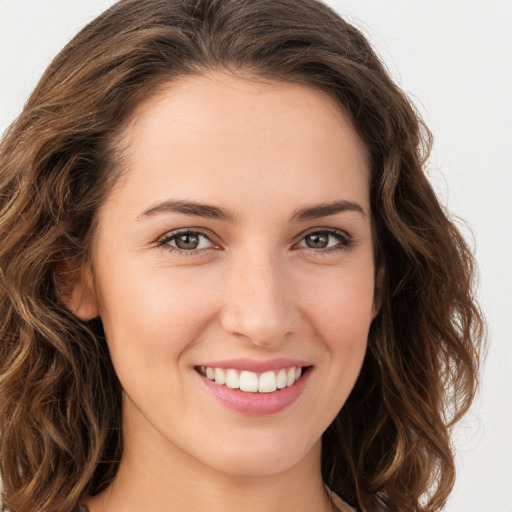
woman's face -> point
(237, 246)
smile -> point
(252, 382)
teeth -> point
(220, 376)
(251, 382)
(267, 382)
(281, 379)
(290, 377)
(232, 379)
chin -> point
(262, 457)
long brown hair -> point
(60, 401)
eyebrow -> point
(196, 209)
(188, 208)
(326, 209)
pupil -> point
(317, 241)
(187, 241)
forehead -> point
(220, 133)
(198, 100)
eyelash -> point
(344, 240)
(167, 239)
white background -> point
(454, 57)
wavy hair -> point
(60, 401)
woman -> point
(225, 280)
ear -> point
(82, 300)
(378, 292)
(75, 289)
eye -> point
(186, 241)
(327, 240)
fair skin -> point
(263, 276)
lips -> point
(253, 387)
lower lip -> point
(257, 404)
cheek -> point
(340, 306)
(339, 309)
(153, 309)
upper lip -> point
(256, 366)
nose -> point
(259, 302)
